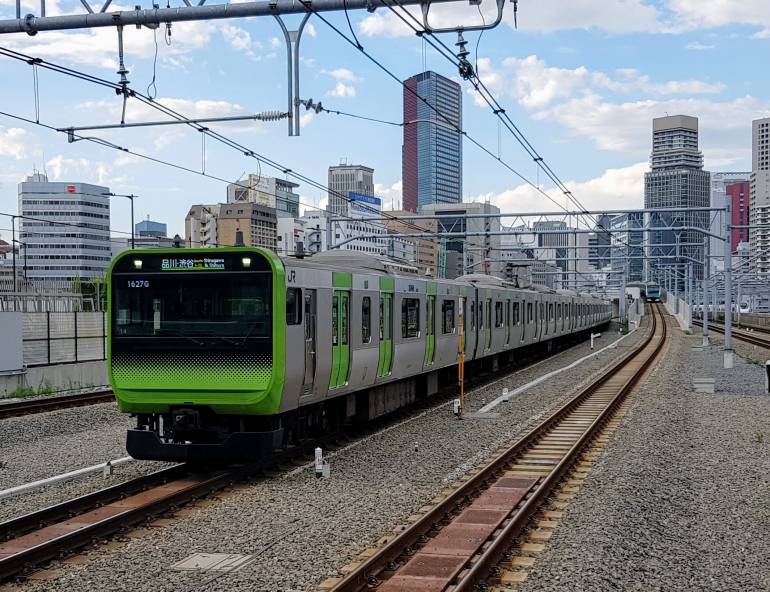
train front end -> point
(196, 345)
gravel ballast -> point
(301, 530)
(42, 445)
(679, 499)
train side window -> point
(499, 314)
(410, 318)
(335, 321)
(293, 306)
(448, 317)
(366, 319)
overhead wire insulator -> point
(464, 67)
(271, 116)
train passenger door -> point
(430, 330)
(340, 338)
(310, 333)
(385, 360)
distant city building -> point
(147, 235)
(479, 253)
(201, 226)
(627, 250)
(347, 178)
(599, 243)
(719, 183)
(317, 230)
(568, 251)
(267, 191)
(150, 228)
(432, 152)
(759, 199)
(738, 193)
(677, 180)
(248, 225)
(290, 235)
(427, 249)
(71, 238)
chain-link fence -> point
(58, 337)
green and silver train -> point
(226, 354)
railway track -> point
(761, 340)
(43, 404)
(35, 538)
(458, 542)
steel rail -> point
(738, 334)
(43, 404)
(384, 559)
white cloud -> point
(342, 74)
(615, 188)
(275, 43)
(310, 30)
(391, 195)
(535, 85)
(716, 13)
(698, 46)
(306, 118)
(763, 34)
(15, 142)
(612, 16)
(342, 90)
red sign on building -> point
(70, 189)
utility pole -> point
(728, 256)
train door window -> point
(344, 313)
(473, 315)
(481, 314)
(410, 318)
(430, 314)
(516, 313)
(335, 320)
(293, 306)
(529, 312)
(507, 322)
(499, 314)
(366, 319)
(550, 312)
(448, 317)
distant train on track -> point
(225, 354)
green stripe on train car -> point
(342, 279)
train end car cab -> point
(195, 348)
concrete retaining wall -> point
(56, 377)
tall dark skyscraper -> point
(677, 180)
(432, 154)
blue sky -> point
(582, 79)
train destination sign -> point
(193, 264)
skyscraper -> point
(346, 178)
(759, 200)
(677, 180)
(432, 153)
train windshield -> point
(192, 305)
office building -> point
(719, 183)
(599, 243)
(71, 237)
(480, 253)
(759, 198)
(627, 250)
(273, 193)
(566, 250)
(347, 178)
(147, 235)
(290, 235)
(432, 152)
(427, 249)
(738, 194)
(248, 225)
(677, 180)
(201, 226)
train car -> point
(225, 354)
(652, 292)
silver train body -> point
(341, 297)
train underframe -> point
(196, 434)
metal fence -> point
(59, 337)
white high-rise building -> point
(345, 178)
(759, 196)
(64, 229)
(719, 183)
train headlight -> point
(246, 261)
(138, 263)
